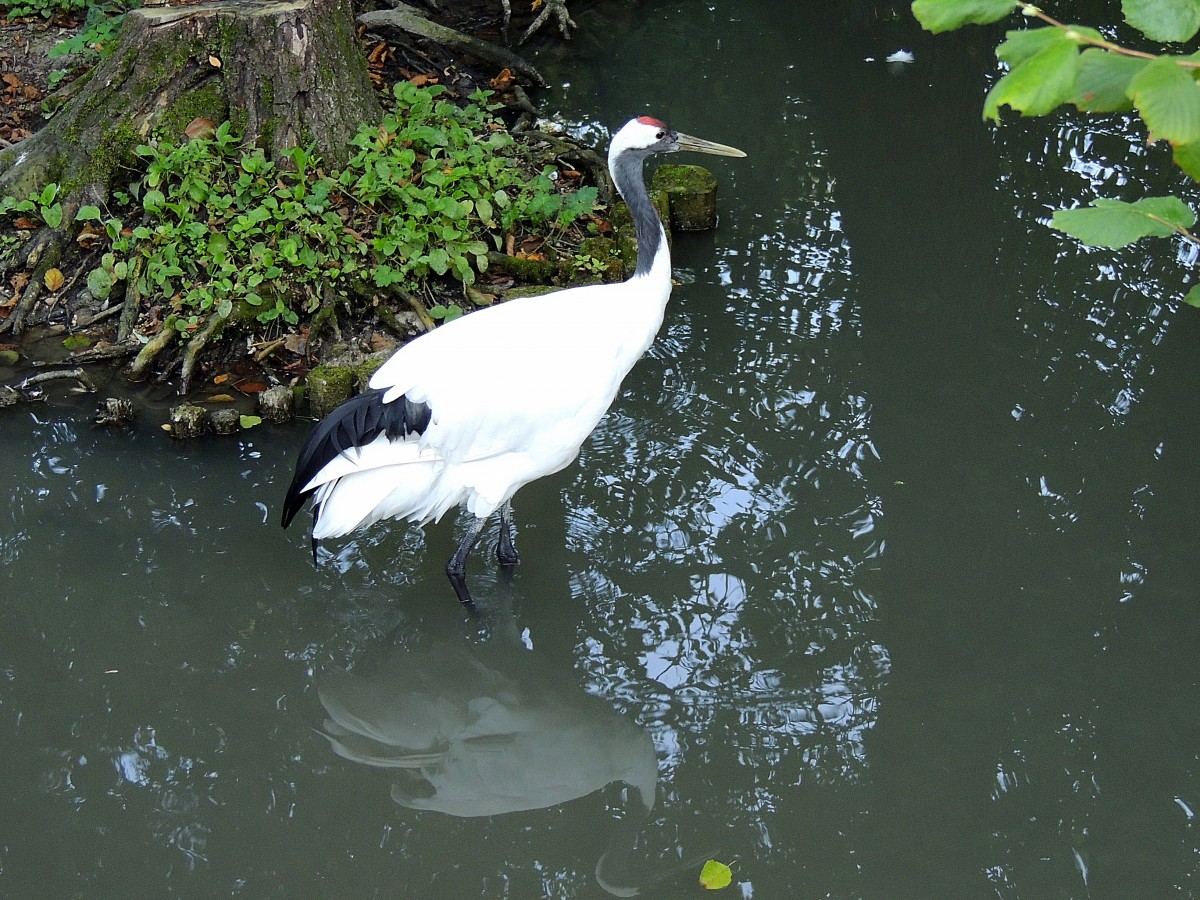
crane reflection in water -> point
(492, 729)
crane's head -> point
(645, 135)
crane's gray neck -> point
(651, 239)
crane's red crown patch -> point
(650, 120)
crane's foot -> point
(506, 550)
(456, 568)
(459, 583)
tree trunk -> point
(284, 72)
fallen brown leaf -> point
(53, 279)
(295, 342)
(199, 127)
(87, 234)
(503, 81)
(18, 282)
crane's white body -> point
(563, 356)
(468, 413)
(513, 390)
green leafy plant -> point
(47, 9)
(223, 226)
(1058, 64)
(442, 179)
(445, 313)
(43, 203)
(91, 43)
(213, 225)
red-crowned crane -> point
(468, 413)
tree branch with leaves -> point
(1056, 64)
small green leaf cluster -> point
(213, 225)
(91, 43)
(44, 204)
(585, 262)
(445, 313)
(47, 9)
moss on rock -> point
(328, 386)
(692, 195)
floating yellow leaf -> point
(715, 875)
(53, 279)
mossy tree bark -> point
(284, 72)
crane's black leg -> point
(506, 550)
(456, 569)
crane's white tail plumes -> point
(350, 441)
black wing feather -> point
(354, 424)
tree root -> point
(557, 8)
(46, 251)
(416, 305)
(213, 328)
(593, 162)
(133, 299)
(325, 317)
(406, 19)
(150, 352)
(529, 113)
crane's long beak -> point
(699, 145)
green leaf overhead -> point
(1103, 80)
(1043, 68)
(1187, 157)
(946, 15)
(1193, 296)
(1168, 99)
(1113, 223)
(1025, 44)
(1163, 20)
